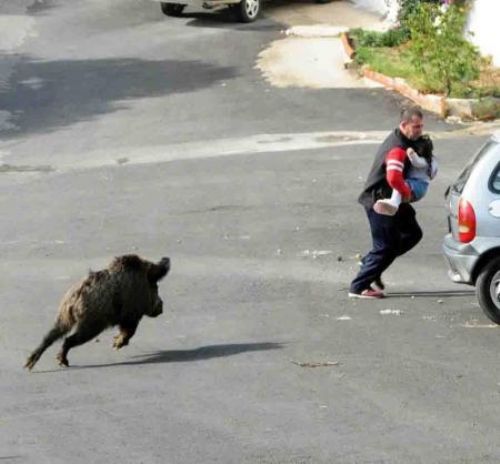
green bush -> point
(487, 109)
(438, 49)
(430, 51)
(390, 38)
(409, 8)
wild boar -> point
(118, 295)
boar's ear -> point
(158, 271)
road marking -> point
(64, 162)
(254, 144)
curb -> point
(346, 42)
(471, 109)
(434, 103)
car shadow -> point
(226, 18)
(202, 353)
(39, 7)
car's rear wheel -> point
(488, 290)
(249, 10)
(172, 9)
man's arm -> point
(395, 161)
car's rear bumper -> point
(461, 259)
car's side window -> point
(459, 184)
(494, 183)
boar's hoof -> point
(63, 360)
(30, 363)
(119, 342)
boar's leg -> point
(127, 331)
(84, 332)
(54, 334)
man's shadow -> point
(197, 354)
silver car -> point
(472, 247)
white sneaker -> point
(385, 207)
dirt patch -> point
(308, 62)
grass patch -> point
(430, 51)
(389, 38)
(396, 62)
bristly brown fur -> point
(127, 263)
(119, 295)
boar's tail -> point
(54, 334)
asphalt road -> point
(124, 131)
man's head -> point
(412, 123)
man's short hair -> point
(407, 114)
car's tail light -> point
(466, 221)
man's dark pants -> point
(392, 236)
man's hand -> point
(411, 152)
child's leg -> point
(418, 187)
(388, 206)
(395, 198)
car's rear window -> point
(459, 184)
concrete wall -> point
(484, 22)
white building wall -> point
(484, 23)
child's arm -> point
(394, 161)
(417, 161)
(433, 168)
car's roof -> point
(496, 136)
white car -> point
(247, 10)
(472, 246)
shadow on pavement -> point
(45, 95)
(39, 6)
(172, 356)
(205, 352)
(226, 19)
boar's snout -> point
(157, 308)
(165, 261)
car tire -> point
(249, 10)
(172, 9)
(488, 290)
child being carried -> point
(422, 170)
